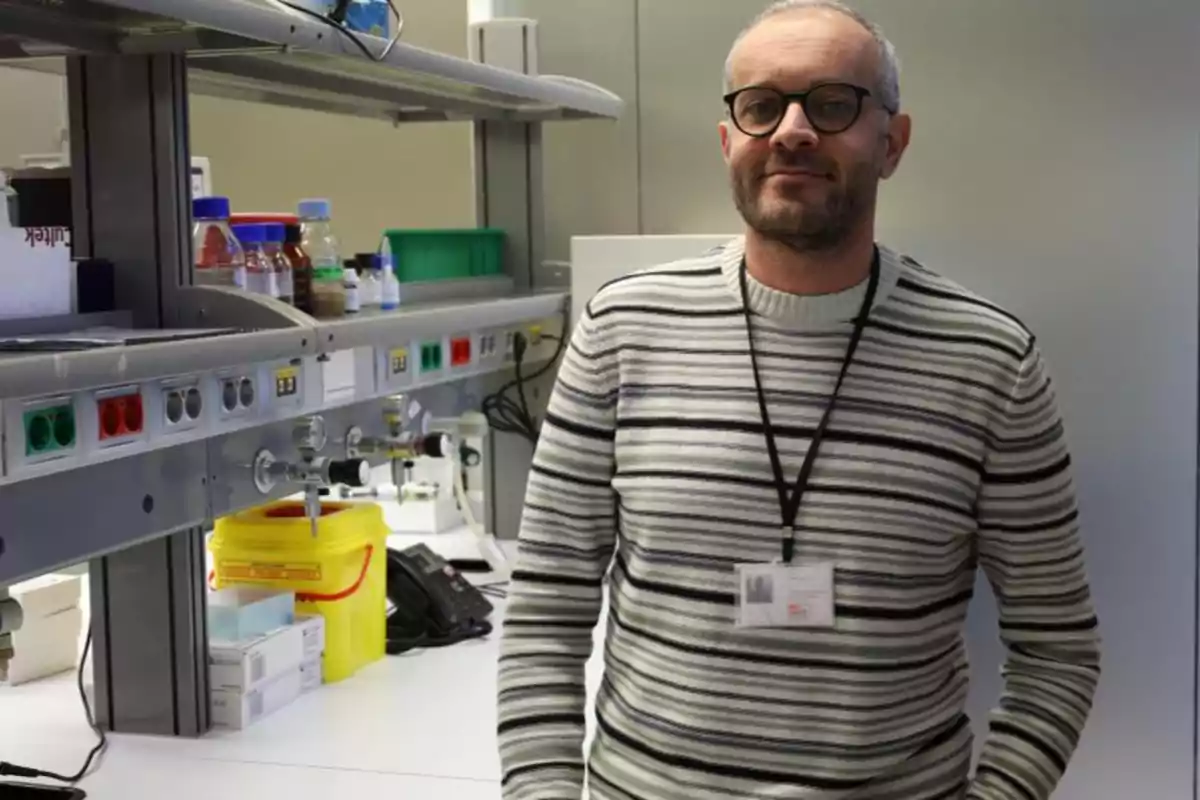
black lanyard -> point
(790, 507)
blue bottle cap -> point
(250, 233)
(275, 232)
(315, 208)
(210, 208)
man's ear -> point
(899, 134)
(723, 129)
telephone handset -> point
(432, 604)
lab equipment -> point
(243, 612)
(219, 259)
(433, 605)
(260, 271)
(312, 471)
(273, 249)
(436, 255)
(246, 664)
(302, 268)
(370, 282)
(319, 242)
(389, 286)
(350, 285)
(340, 573)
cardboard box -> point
(47, 595)
(47, 642)
(312, 674)
(44, 252)
(243, 612)
(239, 710)
(243, 666)
(45, 646)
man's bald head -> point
(888, 63)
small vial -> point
(350, 284)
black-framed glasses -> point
(830, 107)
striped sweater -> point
(945, 454)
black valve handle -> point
(355, 472)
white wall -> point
(1055, 168)
(35, 114)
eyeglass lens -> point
(831, 108)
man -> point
(775, 636)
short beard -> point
(807, 229)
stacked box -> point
(256, 677)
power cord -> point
(16, 771)
(336, 19)
(397, 645)
(513, 416)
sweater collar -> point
(806, 312)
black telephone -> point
(432, 604)
(29, 791)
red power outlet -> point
(120, 416)
(460, 352)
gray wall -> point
(1055, 168)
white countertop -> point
(358, 738)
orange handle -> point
(325, 598)
(342, 595)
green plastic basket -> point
(438, 255)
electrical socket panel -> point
(114, 417)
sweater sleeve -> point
(1030, 549)
(567, 536)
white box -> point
(45, 646)
(238, 710)
(41, 252)
(242, 666)
(312, 674)
(47, 595)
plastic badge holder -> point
(244, 612)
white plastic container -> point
(390, 284)
(351, 285)
(219, 258)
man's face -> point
(808, 189)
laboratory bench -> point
(419, 725)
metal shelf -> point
(29, 375)
(259, 51)
(387, 328)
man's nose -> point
(794, 131)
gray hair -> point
(889, 89)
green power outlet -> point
(49, 430)
(431, 356)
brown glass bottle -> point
(302, 268)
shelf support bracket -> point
(131, 203)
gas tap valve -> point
(398, 445)
(311, 471)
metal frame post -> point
(509, 192)
(131, 195)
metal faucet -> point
(401, 447)
(312, 471)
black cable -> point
(337, 18)
(331, 23)
(477, 630)
(34, 774)
(513, 416)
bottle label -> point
(286, 288)
(239, 277)
(272, 285)
(352, 299)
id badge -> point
(785, 595)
